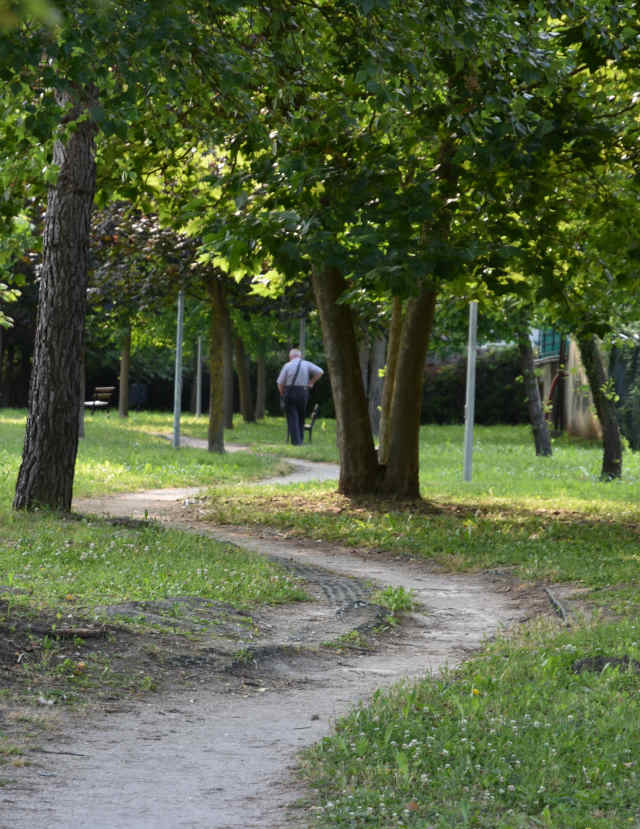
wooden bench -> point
(101, 398)
(308, 427)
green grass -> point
(120, 455)
(545, 517)
(82, 564)
(514, 739)
(53, 562)
(269, 435)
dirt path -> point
(216, 758)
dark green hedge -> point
(500, 395)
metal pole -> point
(469, 409)
(177, 377)
(199, 380)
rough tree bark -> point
(217, 299)
(46, 474)
(359, 469)
(605, 407)
(402, 472)
(541, 437)
(125, 362)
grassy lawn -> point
(519, 736)
(62, 572)
(264, 437)
(118, 455)
(48, 560)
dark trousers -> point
(295, 408)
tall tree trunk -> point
(217, 300)
(605, 407)
(402, 472)
(125, 362)
(261, 384)
(395, 331)
(46, 474)
(244, 385)
(227, 334)
(359, 469)
(537, 419)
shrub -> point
(500, 397)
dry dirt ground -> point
(215, 746)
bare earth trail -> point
(208, 758)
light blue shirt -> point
(307, 372)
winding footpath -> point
(209, 760)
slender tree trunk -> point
(537, 419)
(227, 335)
(244, 383)
(359, 469)
(125, 362)
(402, 466)
(261, 384)
(397, 317)
(402, 472)
(605, 407)
(215, 290)
(46, 474)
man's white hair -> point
(295, 352)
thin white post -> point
(469, 409)
(177, 376)
(199, 380)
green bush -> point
(500, 397)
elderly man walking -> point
(294, 381)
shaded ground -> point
(237, 695)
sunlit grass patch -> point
(84, 563)
(505, 466)
(267, 435)
(118, 455)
